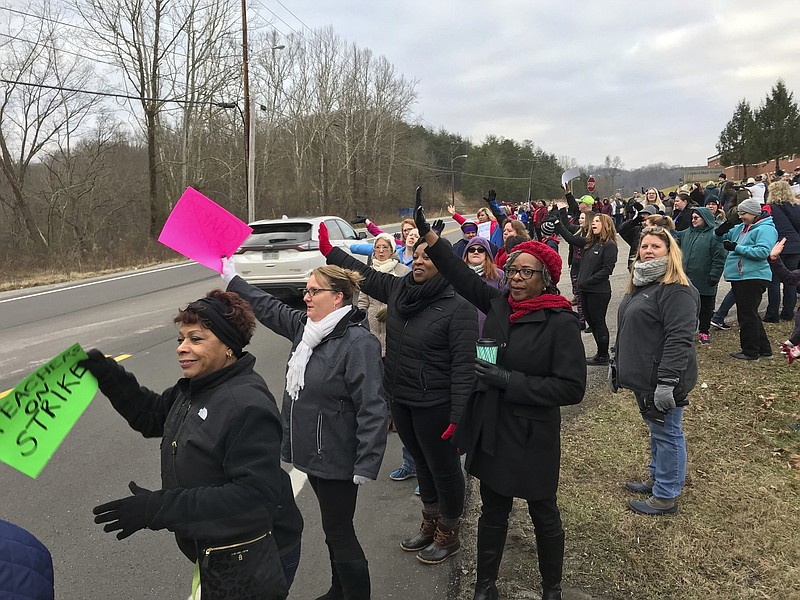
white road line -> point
(80, 285)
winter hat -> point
(389, 239)
(650, 209)
(749, 206)
(546, 255)
(587, 199)
(478, 241)
(469, 227)
(548, 228)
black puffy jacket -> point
(430, 355)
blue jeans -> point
(724, 308)
(408, 461)
(668, 454)
(290, 561)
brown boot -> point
(424, 538)
(445, 543)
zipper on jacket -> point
(174, 443)
(207, 552)
(319, 433)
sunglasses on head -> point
(477, 250)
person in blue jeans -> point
(655, 358)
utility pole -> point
(249, 134)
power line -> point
(115, 95)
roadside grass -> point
(23, 270)
(737, 533)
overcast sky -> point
(648, 81)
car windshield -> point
(278, 233)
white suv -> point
(280, 254)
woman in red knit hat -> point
(510, 427)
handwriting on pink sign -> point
(202, 230)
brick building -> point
(736, 172)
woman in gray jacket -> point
(334, 409)
(655, 358)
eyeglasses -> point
(314, 291)
(524, 274)
(477, 250)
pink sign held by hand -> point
(202, 230)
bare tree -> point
(139, 35)
(40, 109)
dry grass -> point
(22, 270)
(737, 534)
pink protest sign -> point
(202, 230)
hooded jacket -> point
(753, 245)
(337, 427)
(429, 355)
(703, 256)
(498, 283)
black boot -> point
(551, 561)
(491, 542)
(354, 578)
(335, 593)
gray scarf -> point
(477, 268)
(645, 273)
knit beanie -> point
(548, 228)
(749, 206)
(549, 258)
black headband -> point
(213, 311)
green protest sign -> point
(37, 415)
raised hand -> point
(419, 215)
(325, 245)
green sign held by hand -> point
(39, 413)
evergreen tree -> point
(737, 143)
(778, 123)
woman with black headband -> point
(223, 492)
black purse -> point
(248, 570)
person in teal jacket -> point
(703, 259)
(747, 269)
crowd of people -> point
(478, 351)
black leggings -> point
(544, 513)
(439, 473)
(595, 306)
(706, 310)
(337, 505)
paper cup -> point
(486, 349)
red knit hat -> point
(546, 255)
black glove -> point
(492, 375)
(359, 219)
(551, 218)
(438, 227)
(96, 363)
(724, 228)
(729, 245)
(419, 215)
(126, 515)
(492, 197)
(712, 281)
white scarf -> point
(645, 273)
(477, 268)
(385, 266)
(313, 334)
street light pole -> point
(453, 178)
(248, 134)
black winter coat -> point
(220, 455)
(513, 438)
(786, 218)
(430, 355)
(597, 264)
